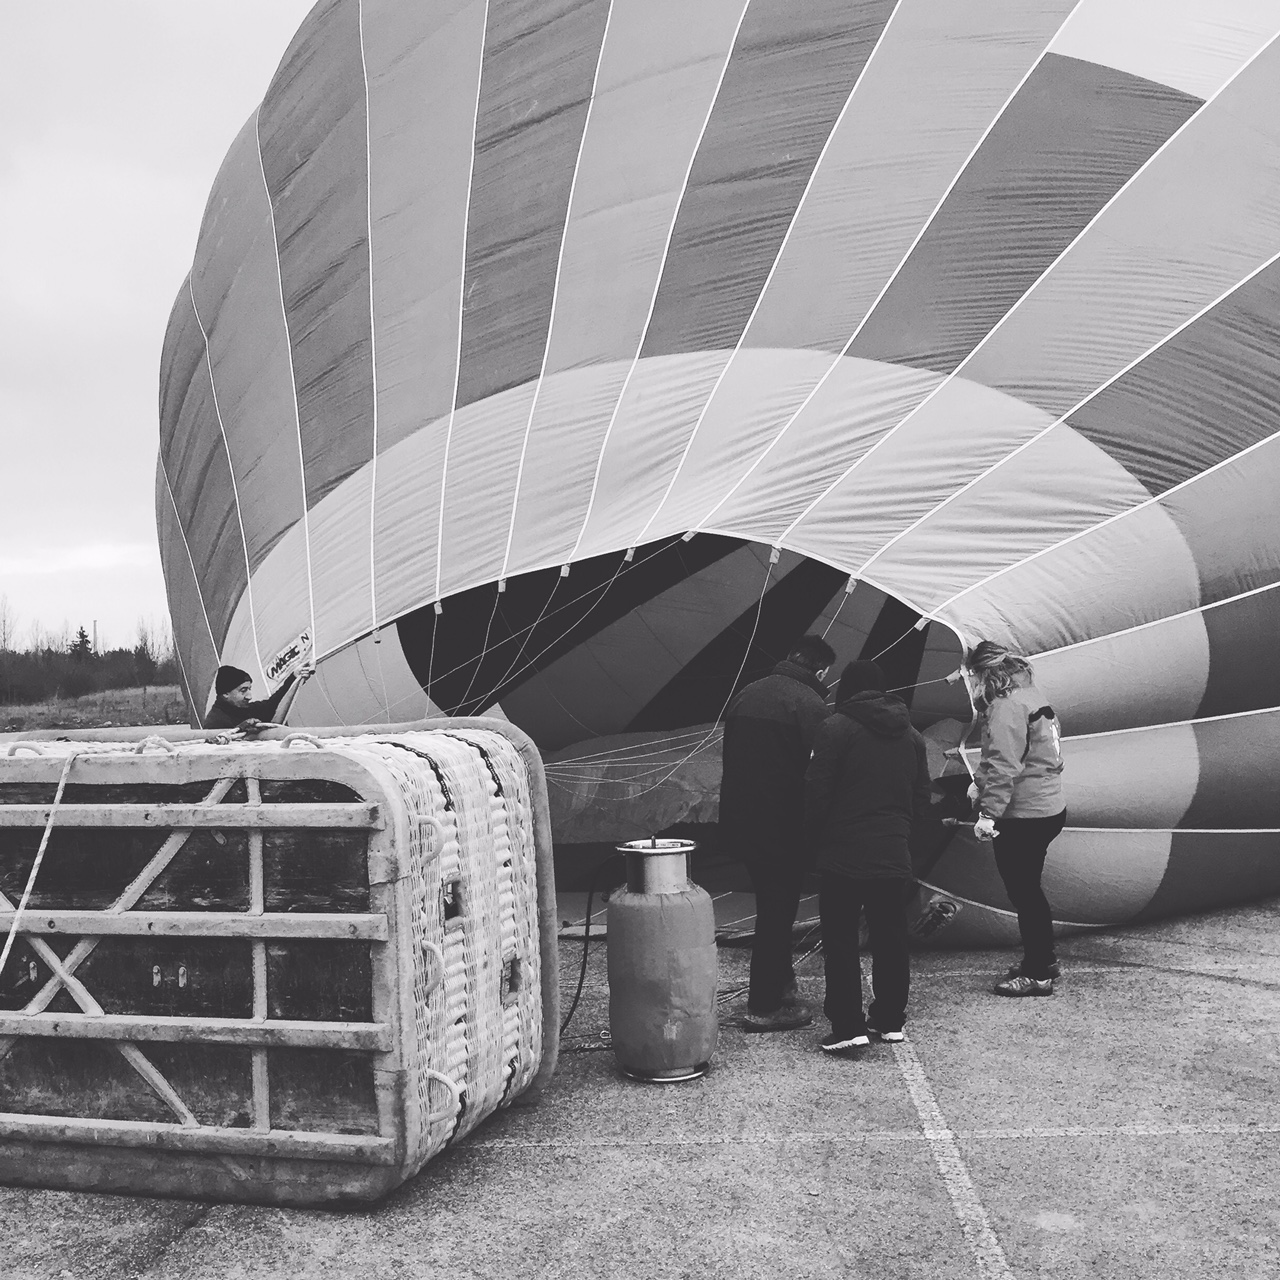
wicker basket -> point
(287, 971)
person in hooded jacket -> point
(1017, 787)
(867, 782)
(768, 733)
(234, 707)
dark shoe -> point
(1015, 970)
(788, 1018)
(889, 1037)
(839, 1041)
(1023, 986)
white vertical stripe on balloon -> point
(653, 301)
(764, 289)
(955, 373)
(1097, 391)
(462, 301)
(373, 359)
(555, 294)
(1158, 622)
(186, 546)
(1110, 520)
(235, 488)
(1168, 724)
(293, 377)
(906, 257)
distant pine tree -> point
(81, 648)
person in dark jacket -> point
(866, 784)
(768, 734)
(234, 707)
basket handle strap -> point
(455, 1097)
(435, 978)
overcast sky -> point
(114, 118)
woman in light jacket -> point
(1018, 790)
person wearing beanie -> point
(234, 708)
(768, 733)
(867, 782)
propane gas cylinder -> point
(662, 965)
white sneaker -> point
(835, 1043)
(889, 1037)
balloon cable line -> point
(588, 774)
(373, 372)
(716, 725)
(515, 662)
(531, 664)
(186, 546)
(622, 754)
(893, 644)
(733, 687)
(231, 472)
(462, 300)
(35, 865)
(364, 671)
(844, 600)
(293, 378)
(484, 644)
(659, 276)
(555, 290)
(623, 567)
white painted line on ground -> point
(1131, 1131)
(974, 1223)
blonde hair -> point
(998, 670)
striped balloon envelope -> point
(574, 356)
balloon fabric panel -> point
(1210, 391)
(235, 286)
(197, 654)
(1244, 674)
(195, 463)
(312, 131)
(1069, 140)
(791, 72)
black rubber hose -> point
(586, 938)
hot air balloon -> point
(574, 358)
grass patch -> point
(157, 704)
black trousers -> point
(1020, 849)
(841, 900)
(777, 890)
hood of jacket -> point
(803, 674)
(883, 713)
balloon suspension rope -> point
(742, 666)
(35, 866)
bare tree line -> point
(42, 663)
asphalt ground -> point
(1128, 1127)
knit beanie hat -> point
(229, 678)
(858, 677)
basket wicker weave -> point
(371, 1014)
